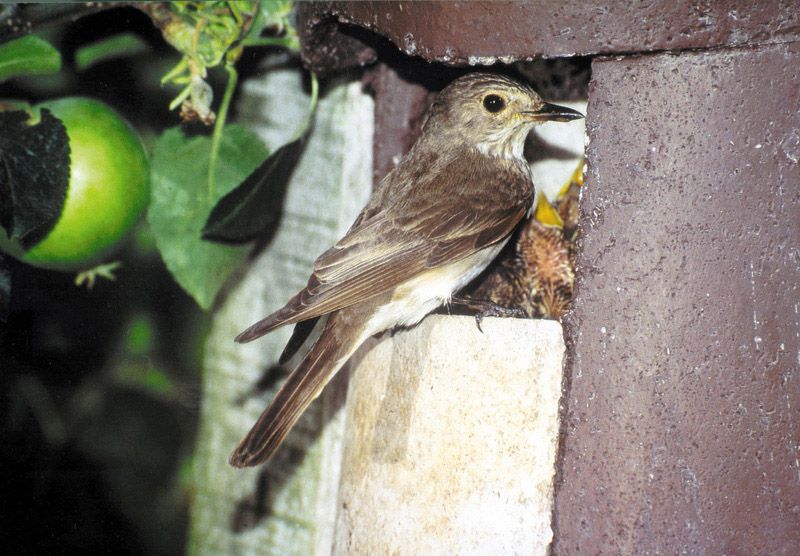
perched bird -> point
(434, 223)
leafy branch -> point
(211, 34)
(203, 188)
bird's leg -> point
(486, 308)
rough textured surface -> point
(450, 440)
(682, 424)
(287, 506)
(492, 31)
(399, 109)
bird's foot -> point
(485, 308)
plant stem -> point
(288, 42)
(312, 106)
(222, 114)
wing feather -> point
(405, 239)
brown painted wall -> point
(483, 32)
(682, 425)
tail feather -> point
(304, 384)
(265, 326)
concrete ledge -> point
(450, 440)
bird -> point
(432, 225)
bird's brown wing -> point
(398, 244)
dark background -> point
(99, 389)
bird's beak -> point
(553, 113)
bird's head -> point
(491, 113)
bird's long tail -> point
(326, 357)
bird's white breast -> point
(414, 299)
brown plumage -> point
(434, 223)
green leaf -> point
(140, 336)
(125, 44)
(256, 204)
(34, 175)
(180, 205)
(28, 55)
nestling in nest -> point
(537, 275)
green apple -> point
(108, 187)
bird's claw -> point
(491, 309)
(486, 308)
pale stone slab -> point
(288, 505)
(450, 440)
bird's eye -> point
(494, 103)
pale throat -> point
(505, 143)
